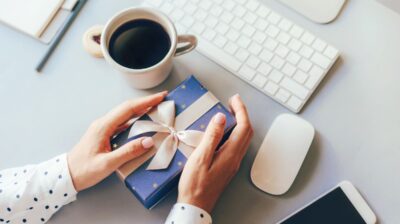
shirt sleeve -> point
(33, 193)
(183, 213)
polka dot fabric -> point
(183, 213)
(33, 193)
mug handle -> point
(191, 43)
(91, 41)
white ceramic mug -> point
(97, 45)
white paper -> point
(29, 16)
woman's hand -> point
(92, 160)
(206, 173)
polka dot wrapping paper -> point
(151, 186)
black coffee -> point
(139, 44)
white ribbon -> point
(165, 123)
(173, 132)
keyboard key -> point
(187, 21)
(261, 24)
(263, 11)
(180, 29)
(266, 55)
(304, 65)
(320, 60)
(300, 77)
(274, 18)
(244, 41)
(198, 28)
(282, 95)
(250, 18)
(282, 51)
(200, 15)
(264, 69)
(316, 72)
(277, 62)
(167, 8)
(253, 61)
(288, 69)
(227, 17)
(259, 81)
(228, 5)
(252, 5)
(209, 34)
(259, 37)
(190, 8)
(222, 28)
(271, 88)
(296, 31)
(255, 48)
(206, 5)
(283, 38)
(247, 73)
(223, 58)
(239, 11)
(272, 31)
(211, 22)
(294, 103)
(248, 30)
(232, 35)
(177, 14)
(271, 44)
(237, 23)
(220, 41)
(294, 44)
(295, 88)
(285, 25)
(311, 82)
(231, 48)
(319, 45)
(307, 38)
(242, 54)
(216, 10)
(330, 52)
(306, 51)
(275, 76)
(293, 58)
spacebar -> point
(218, 55)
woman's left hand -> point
(92, 159)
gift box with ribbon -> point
(177, 126)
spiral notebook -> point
(35, 17)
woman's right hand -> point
(207, 173)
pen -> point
(60, 34)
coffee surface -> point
(139, 44)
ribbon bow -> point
(164, 122)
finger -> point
(129, 151)
(239, 109)
(243, 131)
(122, 113)
(213, 135)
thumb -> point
(130, 150)
(213, 135)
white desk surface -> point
(355, 112)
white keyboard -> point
(256, 44)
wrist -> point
(206, 205)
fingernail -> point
(219, 118)
(147, 142)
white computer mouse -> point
(281, 154)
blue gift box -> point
(151, 186)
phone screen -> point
(333, 208)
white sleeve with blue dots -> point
(33, 193)
(183, 213)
